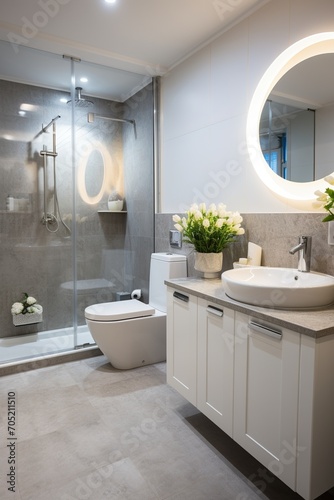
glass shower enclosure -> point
(63, 151)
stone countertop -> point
(315, 323)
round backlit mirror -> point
(279, 94)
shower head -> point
(80, 101)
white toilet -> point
(129, 332)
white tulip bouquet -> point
(209, 230)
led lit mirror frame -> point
(299, 194)
(106, 181)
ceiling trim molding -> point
(57, 45)
(226, 28)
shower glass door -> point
(66, 146)
(102, 265)
(36, 212)
(113, 158)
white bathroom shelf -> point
(112, 211)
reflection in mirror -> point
(319, 49)
(297, 122)
(287, 140)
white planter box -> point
(28, 318)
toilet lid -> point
(121, 309)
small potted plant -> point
(115, 202)
(209, 231)
(27, 311)
(326, 199)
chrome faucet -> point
(304, 253)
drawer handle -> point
(180, 296)
(277, 334)
(215, 310)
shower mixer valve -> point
(49, 219)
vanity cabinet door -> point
(215, 363)
(182, 343)
(315, 465)
(266, 377)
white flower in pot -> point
(115, 202)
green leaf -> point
(328, 218)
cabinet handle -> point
(180, 296)
(277, 334)
(215, 310)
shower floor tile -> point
(23, 347)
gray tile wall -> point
(111, 246)
(138, 179)
(275, 233)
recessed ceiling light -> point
(84, 79)
(110, 1)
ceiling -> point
(126, 42)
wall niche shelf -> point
(112, 211)
(27, 212)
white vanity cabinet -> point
(315, 460)
(269, 387)
(284, 403)
(215, 363)
(182, 343)
(266, 378)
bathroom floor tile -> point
(121, 481)
(96, 372)
(55, 458)
(58, 376)
(88, 431)
(47, 411)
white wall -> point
(205, 102)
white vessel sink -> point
(279, 287)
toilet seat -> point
(119, 310)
